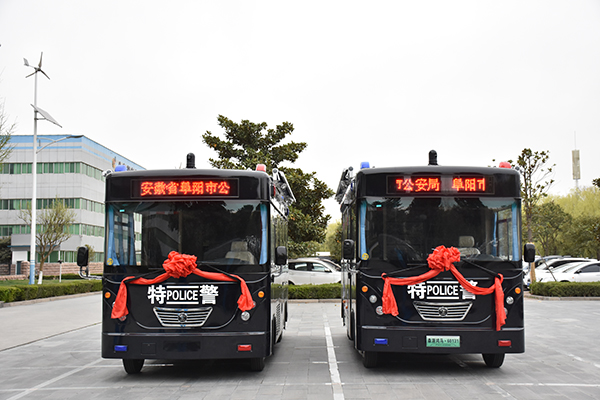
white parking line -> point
(51, 381)
(336, 382)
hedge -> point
(51, 289)
(22, 292)
(326, 291)
(565, 289)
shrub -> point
(566, 289)
(29, 292)
(327, 291)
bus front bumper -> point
(463, 341)
(188, 346)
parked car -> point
(548, 274)
(315, 271)
(585, 272)
(544, 263)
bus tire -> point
(133, 366)
(493, 360)
(257, 364)
(370, 359)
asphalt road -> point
(51, 350)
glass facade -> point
(53, 168)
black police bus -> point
(432, 261)
(195, 265)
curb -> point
(548, 298)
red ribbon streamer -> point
(179, 266)
(440, 260)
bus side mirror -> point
(281, 255)
(529, 252)
(83, 261)
(348, 249)
(82, 256)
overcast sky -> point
(379, 81)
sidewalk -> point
(26, 322)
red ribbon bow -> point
(179, 266)
(443, 259)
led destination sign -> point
(415, 185)
(185, 188)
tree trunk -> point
(41, 271)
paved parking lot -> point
(59, 358)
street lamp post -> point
(34, 205)
(46, 116)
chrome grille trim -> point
(182, 317)
(442, 311)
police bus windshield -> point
(219, 232)
(406, 230)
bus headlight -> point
(509, 300)
(245, 316)
(373, 299)
(379, 310)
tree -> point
(596, 182)
(5, 252)
(534, 186)
(582, 237)
(91, 252)
(333, 242)
(581, 201)
(307, 223)
(54, 226)
(6, 131)
(549, 221)
(247, 144)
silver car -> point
(313, 271)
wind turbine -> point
(37, 69)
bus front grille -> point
(182, 317)
(442, 311)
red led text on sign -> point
(185, 188)
(469, 184)
(418, 185)
(442, 184)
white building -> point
(72, 170)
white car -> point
(586, 272)
(542, 265)
(548, 274)
(313, 271)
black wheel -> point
(133, 366)
(493, 360)
(257, 364)
(370, 359)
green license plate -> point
(443, 341)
